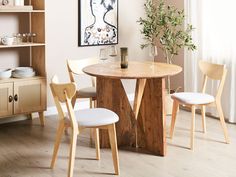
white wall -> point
(62, 36)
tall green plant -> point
(164, 26)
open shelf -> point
(22, 45)
(22, 11)
(12, 79)
(12, 9)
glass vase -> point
(124, 57)
(153, 51)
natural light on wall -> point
(215, 37)
(219, 29)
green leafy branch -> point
(164, 25)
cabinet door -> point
(30, 96)
(6, 99)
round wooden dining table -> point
(142, 124)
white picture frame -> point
(98, 22)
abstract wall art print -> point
(98, 22)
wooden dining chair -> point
(97, 118)
(75, 68)
(191, 100)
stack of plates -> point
(23, 72)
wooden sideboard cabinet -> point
(23, 95)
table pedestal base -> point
(145, 125)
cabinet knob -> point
(16, 97)
(10, 99)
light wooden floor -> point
(26, 149)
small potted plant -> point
(163, 27)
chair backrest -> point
(214, 72)
(75, 67)
(63, 93)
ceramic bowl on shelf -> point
(5, 73)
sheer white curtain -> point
(215, 37)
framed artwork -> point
(98, 22)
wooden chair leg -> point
(90, 103)
(113, 142)
(97, 143)
(192, 128)
(203, 110)
(74, 135)
(41, 118)
(222, 120)
(91, 130)
(91, 138)
(30, 116)
(173, 120)
(95, 103)
(59, 134)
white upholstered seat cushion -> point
(87, 92)
(192, 98)
(96, 117)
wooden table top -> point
(136, 70)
